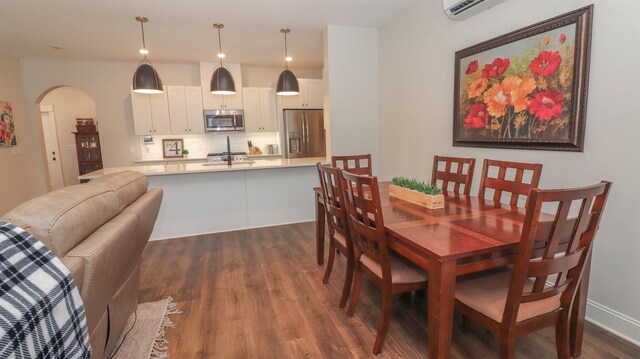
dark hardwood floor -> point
(259, 294)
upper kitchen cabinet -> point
(311, 95)
(259, 109)
(185, 109)
(214, 102)
(150, 113)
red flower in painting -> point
(478, 116)
(473, 67)
(496, 68)
(563, 38)
(546, 64)
(5, 132)
(546, 105)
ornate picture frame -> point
(526, 89)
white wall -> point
(260, 76)
(68, 104)
(351, 65)
(416, 86)
(18, 174)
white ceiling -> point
(181, 31)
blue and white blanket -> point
(41, 312)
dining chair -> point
(358, 164)
(339, 233)
(516, 186)
(540, 289)
(370, 243)
(453, 172)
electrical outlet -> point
(130, 149)
(16, 150)
(199, 148)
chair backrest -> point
(358, 164)
(567, 245)
(454, 172)
(516, 186)
(333, 197)
(364, 210)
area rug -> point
(143, 337)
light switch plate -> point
(71, 147)
(16, 150)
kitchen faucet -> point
(228, 152)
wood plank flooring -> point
(258, 294)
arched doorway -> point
(59, 108)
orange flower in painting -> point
(496, 68)
(477, 117)
(477, 87)
(546, 40)
(512, 91)
(473, 67)
(546, 105)
(546, 64)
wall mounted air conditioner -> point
(462, 9)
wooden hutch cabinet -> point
(88, 149)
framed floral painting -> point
(526, 89)
(7, 128)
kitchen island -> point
(200, 198)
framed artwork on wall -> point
(172, 148)
(7, 127)
(526, 89)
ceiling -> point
(181, 31)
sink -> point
(224, 163)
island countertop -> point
(202, 167)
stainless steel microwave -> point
(223, 120)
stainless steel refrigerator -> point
(304, 134)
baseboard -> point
(229, 230)
(613, 321)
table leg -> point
(320, 217)
(578, 312)
(441, 292)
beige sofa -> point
(99, 230)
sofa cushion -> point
(63, 218)
(127, 185)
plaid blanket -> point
(41, 312)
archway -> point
(60, 106)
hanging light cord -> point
(144, 46)
(220, 46)
(286, 54)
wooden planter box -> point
(421, 199)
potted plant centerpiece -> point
(417, 192)
(185, 153)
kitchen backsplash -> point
(201, 145)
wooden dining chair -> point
(541, 288)
(339, 233)
(364, 211)
(455, 171)
(516, 186)
(358, 164)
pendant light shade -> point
(221, 81)
(287, 84)
(146, 78)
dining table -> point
(469, 235)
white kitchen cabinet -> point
(150, 114)
(311, 95)
(185, 109)
(214, 102)
(259, 109)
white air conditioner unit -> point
(462, 9)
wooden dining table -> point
(468, 235)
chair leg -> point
(348, 280)
(507, 346)
(563, 337)
(385, 315)
(355, 293)
(332, 256)
(465, 323)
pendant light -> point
(146, 79)
(287, 82)
(222, 81)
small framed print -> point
(172, 148)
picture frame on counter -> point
(526, 89)
(172, 148)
